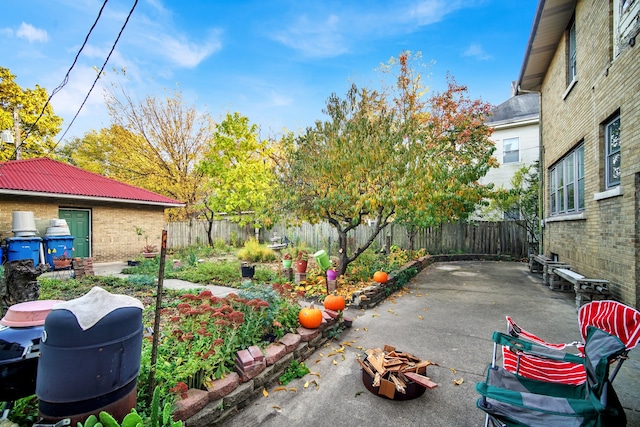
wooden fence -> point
(491, 238)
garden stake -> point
(156, 321)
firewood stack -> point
(392, 371)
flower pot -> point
(149, 254)
(287, 263)
(301, 266)
(248, 271)
(332, 274)
(322, 259)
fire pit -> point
(394, 374)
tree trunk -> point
(20, 282)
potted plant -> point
(287, 260)
(149, 251)
(303, 259)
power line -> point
(99, 74)
(66, 77)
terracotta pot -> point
(301, 266)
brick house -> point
(583, 59)
(102, 213)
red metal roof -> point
(50, 178)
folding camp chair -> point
(513, 400)
(609, 316)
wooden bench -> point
(586, 290)
(543, 264)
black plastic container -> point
(85, 371)
(18, 361)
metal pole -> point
(156, 322)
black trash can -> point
(83, 371)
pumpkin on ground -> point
(310, 317)
(380, 277)
(334, 302)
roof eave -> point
(550, 22)
(89, 198)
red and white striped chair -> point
(610, 316)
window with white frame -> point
(612, 152)
(511, 150)
(571, 59)
(566, 183)
(625, 21)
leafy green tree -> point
(239, 173)
(37, 127)
(523, 198)
(382, 161)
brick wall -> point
(113, 226)
(603, 243)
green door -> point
(78, 222)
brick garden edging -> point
(256, 368)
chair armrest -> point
(528, 347)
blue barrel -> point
(24, 248)
(83, 372)
(57, 248)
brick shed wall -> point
(113, 225)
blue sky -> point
(275, 62)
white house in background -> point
(517, 138)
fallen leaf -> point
(346, 343)
(293, 389)
(280, 389)
(424, 309)
(306, 384)
(343, 358)
(317, 361)
(374, 315)
(335, 363)
(420, 317)
(360, 347)
(453, 370)
(321, 355)
(315, 373)
(458, 382)
(365, 329)
(333, 353)
(277, 408)
(390, 311)
(356, 329)
(316, 384)
(340, 350)
(358, 393)
(265, 393)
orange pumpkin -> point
(310, 317)
(380, 277)
(334, 302)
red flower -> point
(205, 294)
(181, 389)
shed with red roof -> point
(110, 220)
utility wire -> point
(66, 77)
(99, 74)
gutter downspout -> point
(541, 176)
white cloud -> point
(185, 53)
(315, 39)
(31, 33)
(476, 51)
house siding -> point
(604, 242)
(113, 225)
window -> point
(572, 52)
(511, 150)
(625, 19)
(612, 152)
(566, 183)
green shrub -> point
(254, 251)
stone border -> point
(255, 370)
